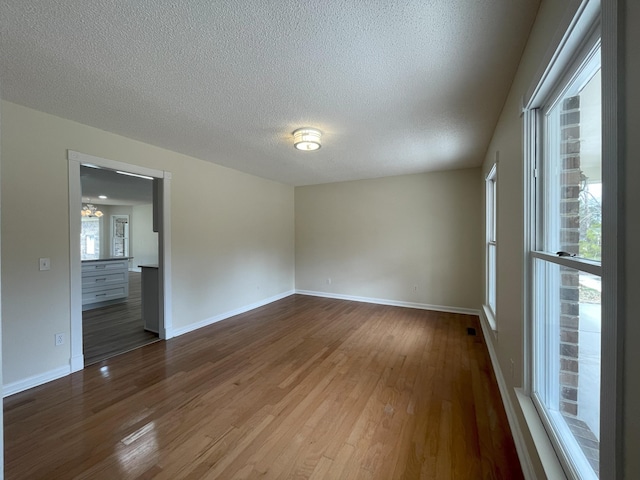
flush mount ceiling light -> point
(307, 139)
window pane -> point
(572, 170)
(567, 357)
(90, 238)
(491, 209)
(491, 284)
(491, 221)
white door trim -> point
(76, 159)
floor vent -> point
(471, 331)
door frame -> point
(112, 229)
(76, 159)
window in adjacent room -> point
(90, 238)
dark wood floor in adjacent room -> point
(302, 388)
(115, 329)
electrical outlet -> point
(59, 339)
(45, 264)
(415, 288)
(328, 281)
(512, 368)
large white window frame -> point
(491, 253)
(572, 51)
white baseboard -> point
(516, 431)
(77, 363)
(34, 381)
(394, 303)
(223, 316)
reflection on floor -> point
(109, 331)
(307, 387)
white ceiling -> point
(396, 86)
(119, 189)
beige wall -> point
(508, 143)
(232, 234)
(410, 238)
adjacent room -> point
(118, 247)
(323, 240)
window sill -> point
(488, 315)
(546, 453)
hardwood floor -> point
(115, 329)
(302, 388)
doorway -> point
(114, 207)
(112, 318)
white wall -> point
(105, 225)
(108, 233)
(410, 238)
(143, 241)
(144, 244)
(236, 251)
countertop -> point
(107, 259)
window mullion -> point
(576, 263)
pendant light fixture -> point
(307, 139)
(89, 210)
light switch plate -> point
(45, 264)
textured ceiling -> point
(397, 87)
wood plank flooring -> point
(115, 329)
(305, 388)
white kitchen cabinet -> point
(105, 280)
